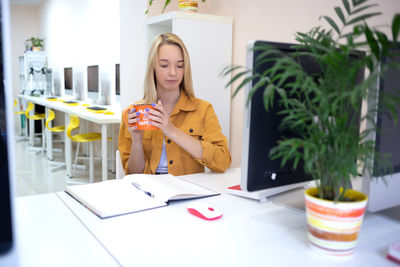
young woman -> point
(189, 135)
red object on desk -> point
(235, 187)
(394, 252)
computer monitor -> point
(8, 248)
(68, 81)
(384, 194)
(117, 83)
(117, 92)
(261, 133)
(93, 83)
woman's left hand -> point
(160, 118)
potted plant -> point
(318, 109)
(36, 44)
(184, 5)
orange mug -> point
(144, 122)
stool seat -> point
(37, 116)
(41, 116)
(86, 137)
(17, 112)
(51, 117)
(83, 138)
(56, 129)
(23, 132)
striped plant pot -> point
(188, 5)
(333, 227)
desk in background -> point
(81, 112)
(248, 234)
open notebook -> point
(135, 192)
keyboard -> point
(70, 102)
(96, 108)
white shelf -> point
(168, 17)
(208, 39)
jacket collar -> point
(185, 103)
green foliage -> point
(35, 42)
(319, 108)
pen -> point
(141, 189)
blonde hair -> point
(150, 90)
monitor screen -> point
(93, 78)
(259, 171)
(261, 129)
(117, 92)
(388, 136)
(68, 79)
(383, 194)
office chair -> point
(35, 117)
(55, 129)
(83, 138)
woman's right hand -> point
(133, 117)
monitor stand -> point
(390, 213)
(264, 195)
(293, 199)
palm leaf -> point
(346, 6)
(340, 14)
(363, 17)
(165, 5)
(358, 10)
(332, 23)
(372, 43)
(358, 2)
(396, 27)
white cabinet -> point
(32, 74)
(208, 39)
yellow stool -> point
(83, 138)
(21, 120)
(35, 117)
(56, 129)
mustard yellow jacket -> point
(194, 117)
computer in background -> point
(262, 177)
(94, 90)
(70, 92)
(385, 193)
(117, 84)
(8, 246)
(68, 81)
(49, 83)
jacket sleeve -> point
(124, 147)
(216, 155)
(124, 144)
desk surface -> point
(248, 234)
(49, 235)
(80, 110)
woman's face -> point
(170, 67)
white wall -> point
(79, 33)
(68, 20)
(24, 24)
(133, 50)
(271, 20)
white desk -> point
(249, 234)
(49, 235)
(82, 112)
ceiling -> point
(26, 2)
